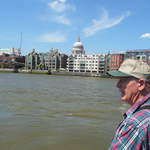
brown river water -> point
(42, 112)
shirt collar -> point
(134, 107)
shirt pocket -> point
(125, 129)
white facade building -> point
(94, 63)
(78, 61)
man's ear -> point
(142, 84)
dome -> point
(78, 45)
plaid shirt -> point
(133, 133)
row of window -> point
(85, 64)
(88, 68)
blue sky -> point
(103, 25)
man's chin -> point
(123, 99)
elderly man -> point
(133, 133)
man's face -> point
(128, 87)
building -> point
(7, 61)
(142, 54)
(94, 63)
(10, 51)
(52, 60)
(55, 61)
(79, 62)
(78, 48)
(116, 60)
(32, 61)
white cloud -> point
(59, 10)
(62, 19)
(56, 18)
(54, 37)
(61, 5)
(103, 23)
(57, 6)
(145, 35)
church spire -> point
(78, 39)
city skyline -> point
(102, 25)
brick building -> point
(116, 60)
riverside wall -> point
(63, 73)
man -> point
(133, 133)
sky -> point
(103, 25)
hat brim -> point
(118, 74)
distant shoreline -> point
(59, 73)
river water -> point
(41, 112)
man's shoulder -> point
(138, 122)
(140, 118)
(141, 113)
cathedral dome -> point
(78, 45)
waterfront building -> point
(7, 61)
(94, 63)
(32, 60)
(10, 51)
(116, 60)
(107, 62)
(80, 62)
(52, 60)
(142, 54)
(55, 61)
(11, 58)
